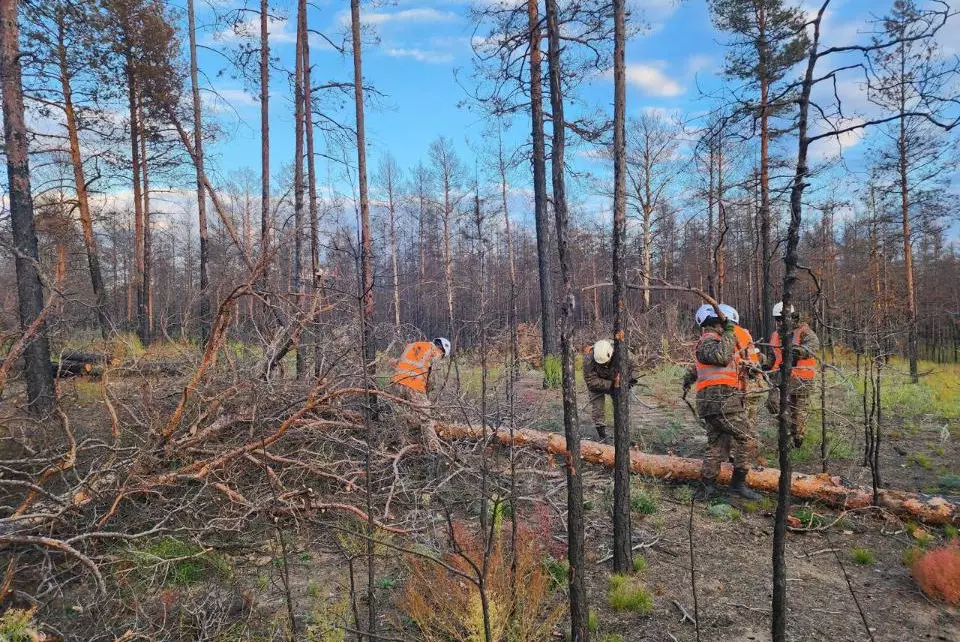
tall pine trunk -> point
(766, 249)
(264, 138)
(394, 248)
(205, 307)
(571, 422)
(512, 262)
(40, 391)
(903, 165)
(145, 312)
(368, 353)
(80, 181)
(622, 544)
(298, 183)
(136, 165)
(542, 223)
(311, 174)
(790, 262)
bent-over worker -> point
(598, 375)
(411, 381)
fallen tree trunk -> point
(831, 490)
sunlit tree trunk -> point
(80, 181)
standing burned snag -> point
(40, 391)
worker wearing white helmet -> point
(720, 386)
(411, 381)
(806, 346)
(751, 362)
(598, 375)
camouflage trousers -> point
(799, 395)
(421, 414)
(730, 434)
(598, 409)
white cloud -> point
(280, 30)
(699, 63)
(421, 55)
(834, 146)
(650, 79)
(414, 15)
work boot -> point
(707, 491)
(738, 485)
(797, 441)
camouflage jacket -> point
(716, 400)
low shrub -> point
(937, 572)
(445, 606)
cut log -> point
(831, 490)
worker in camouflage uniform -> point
(598, 375)
(806, 346)
(720, 404)
(751, 366)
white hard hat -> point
(603, 351)
(730, 312)
(705, 312)
(443, 344)
(778, 310)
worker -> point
(806, 345)
(411, 381)
(751, 366)
(720, 404)
(598, 375)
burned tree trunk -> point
(205, 309)
(622, 544)
(40, 391)
(542, 223)
(571, 422)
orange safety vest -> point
(710, 375)
(413, 368)
(802, 368)
(745, 347)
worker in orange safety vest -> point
(720, 404)
(806, 345)
(411, 381)
(751, 362)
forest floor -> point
(221, 572)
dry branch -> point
(831, 490)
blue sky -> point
(416, 46)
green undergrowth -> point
(178, 562)
(626, 593)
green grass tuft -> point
(863, 556)
(808, 518)
(628, 594)
(643, 503)
(552, 371)
(593, 621)
(639, 564)
(559, 571)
